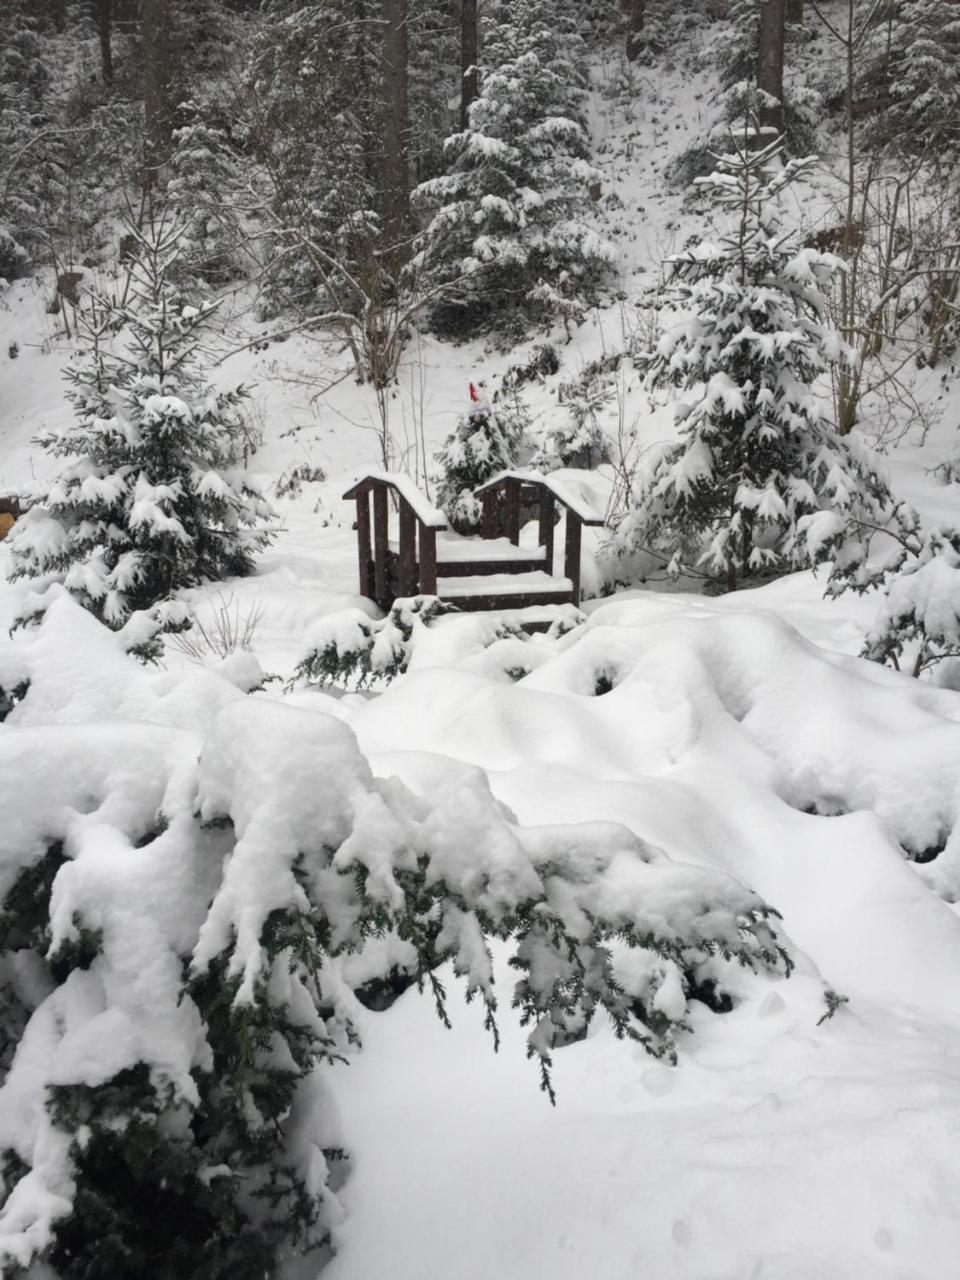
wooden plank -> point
(408, 550)
(428, 560)
(470, 568)
(572, 554)
(512, 493)
(490, 513)
(547, 516)
(473, 604)
(380, 517)
(363, 544)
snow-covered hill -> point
(740, 733)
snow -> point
(740, 734)
(501, 584)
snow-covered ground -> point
(741, 733)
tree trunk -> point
(794, 10)
(396, 135)
(636, 12)
(157, 90)
(770, 61)
(469, 53)
(103, 11)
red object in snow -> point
(473, 394)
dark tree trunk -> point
(469, 53)
(157, 90)
(770, 61)
(103, 12)
(396, 134)
(636, 13)
(794, 10)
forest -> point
(479, 639)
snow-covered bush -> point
(920, 612)
(507, 233)
(182, 870)
(487, 440)
(153, 495)
(759, 481)
(352, 648)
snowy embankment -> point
(738, 733)
(776, 1147)
(779, 1145)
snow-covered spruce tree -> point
(507, 231)
(579, 440)
(153, 495)
(912, 66)
(30, 144)
(175, 940)
(758, 481)
(487, 440)
(205, 189)
(311, 116)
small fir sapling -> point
(488, 439)
(758, 481)
(579, 441)
(153, 495)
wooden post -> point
(363, 543)
(545, 534)
(408, 550)
(512, 491)
(380, 546)
(571, 567)
(428, 560)
(489, 498)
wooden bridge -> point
(419, 555)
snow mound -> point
(723, 738)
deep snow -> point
(742, 733)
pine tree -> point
(486, 441)
(30, 172)
(153, 496)
(921, 60)
(207, 175)
(758, 481)
(507, 231)
(312, 115)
